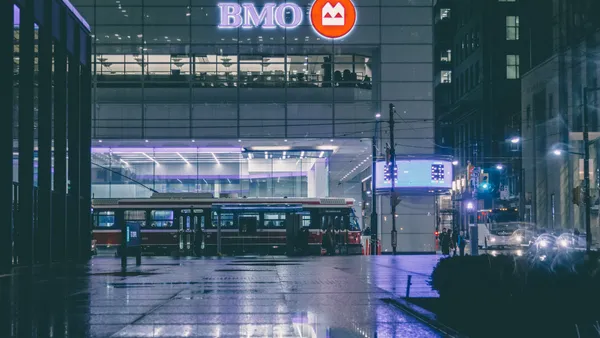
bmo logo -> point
(330, 18)
(333, 19)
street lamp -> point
(515, 140)
(499, 166)
(454, 163)
(586, 170)
(470, 206)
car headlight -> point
(519, 239)
(492, 239)
(564, 243)
(519, 253)
(543, 243)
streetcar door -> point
(198, 243)
(186, 232)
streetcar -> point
(196, 224)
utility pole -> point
(373, 190)
(392, 168)
(586, 170)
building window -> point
(446, 55)
(512, 28)
(512, 67)
(444, 13)
(446, 76)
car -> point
(522, 238)
(545, 243)
(570, 241)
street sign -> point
(133, 234)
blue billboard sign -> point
(417, 173)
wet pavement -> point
(227, 297)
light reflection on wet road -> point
(229, 297)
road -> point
(227, 297)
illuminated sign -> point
(331, 19)
(271, 16)
(416, 173)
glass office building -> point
(182, 103)
(45, 67)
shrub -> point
(514, 296)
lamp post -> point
(374, 232)
(586, 169)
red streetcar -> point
(196, 224)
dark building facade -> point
(478, 97)
(564, 61)
(45, 146)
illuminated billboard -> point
(417, 173)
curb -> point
(424, 316)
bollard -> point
(474, 240)
(138, 256)
(408, 286)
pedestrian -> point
(462, 243)
(453, 241)
(445, 242)
(328, 241)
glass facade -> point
(165, 77)
(138, 172)
(165, 70)
(46, 46)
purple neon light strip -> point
(221, 177)
(187, 150)
(17, 20)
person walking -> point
(453, 241)
(462, 243)
(445, 243)
(328, 241)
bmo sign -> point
(330, 18)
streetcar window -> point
(354, 226)
(161, 218)
(274, 221)
(226, 220)
(104, 219)
(136, 215)
(306, 221)
(337, 222)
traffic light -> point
(484, 184)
